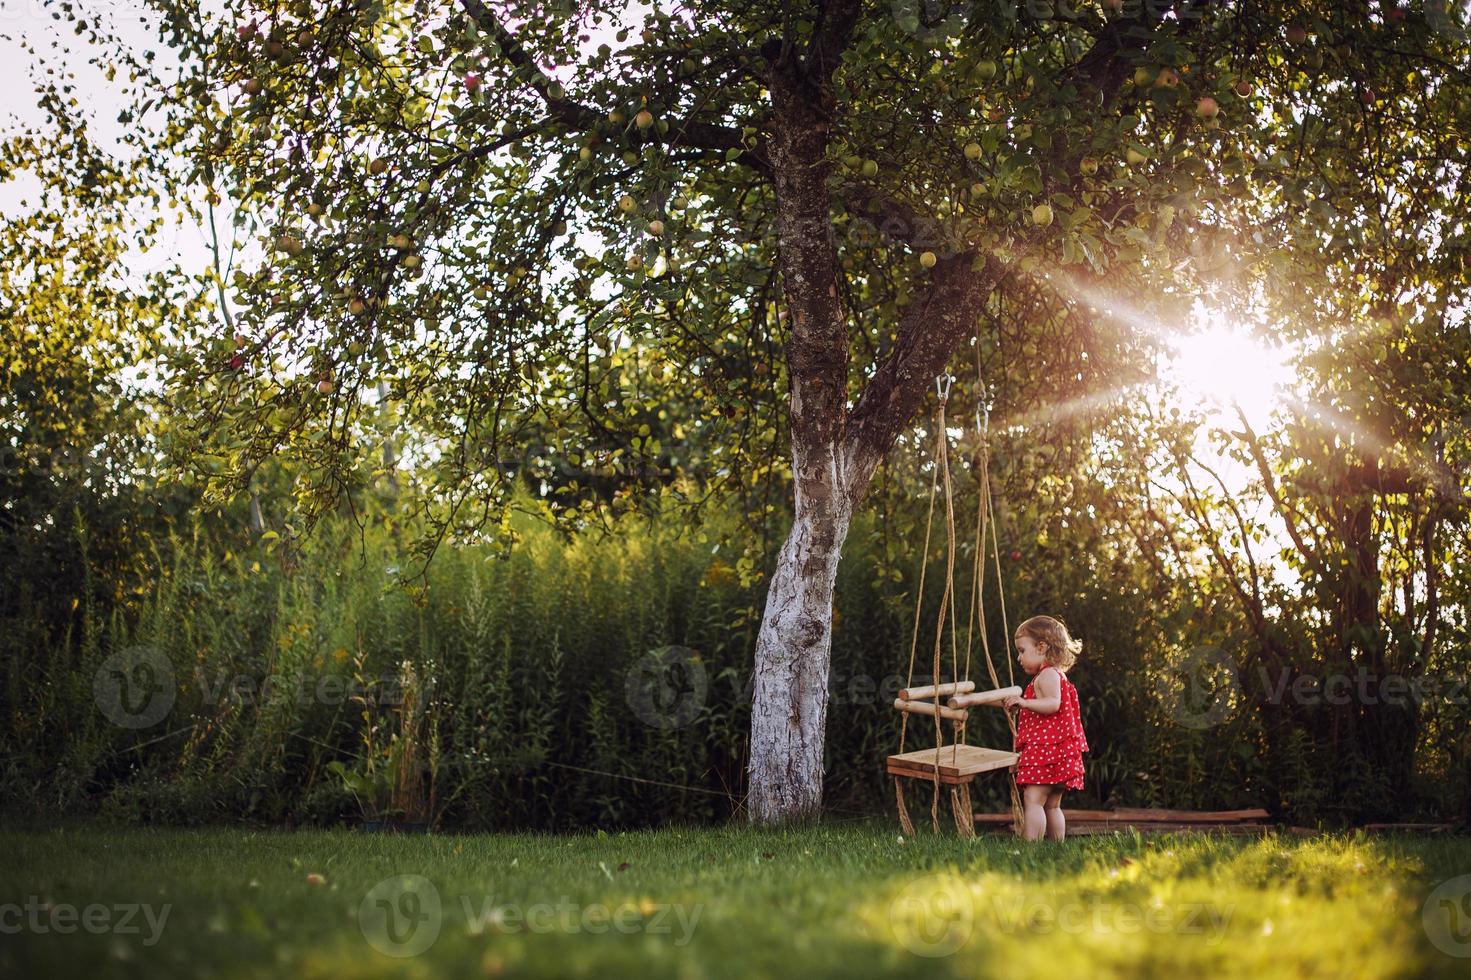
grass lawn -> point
(837, 900)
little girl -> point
(1049, 733)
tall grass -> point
(546, 682)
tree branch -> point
(570, 113)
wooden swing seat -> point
(958, 763)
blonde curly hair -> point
(1060, 649)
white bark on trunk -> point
(790, 693)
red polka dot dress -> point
(1051, 746)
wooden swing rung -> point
(936, 690)
(958, 763)
(928, 708)
(997, 696)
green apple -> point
(1088, 166)
(1143, 76)
(656, 227)
(1042, 215)
(627, 204)
(972, 151)
(928, 259)
(1134, 157)
(870, 168)
(644, 119)
(986, 69)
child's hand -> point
(1012, 701)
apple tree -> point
(533, 217)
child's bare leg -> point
(1034, 820)
(1052, 807)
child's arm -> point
(1050, 691)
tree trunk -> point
(835, 449)
(789, 699)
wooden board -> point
(1196, 816)
(1089, 830)
(1136, 814)
(958, 763)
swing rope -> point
(986, 520)
(960, 800)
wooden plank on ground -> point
(1135, 814)
(1428, 828)
(1217, 829)
(1195, 816)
